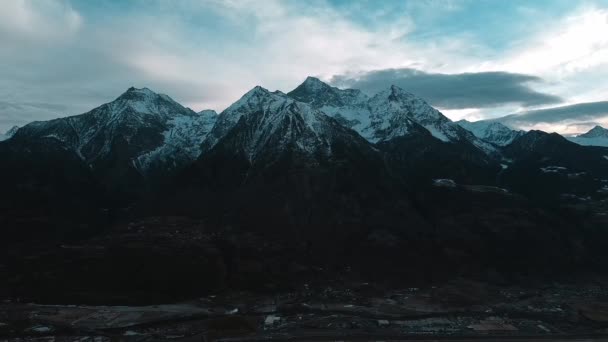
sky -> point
(543, 64)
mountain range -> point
(331, 169)
(142, 139)
(491, 131)
(597, 136)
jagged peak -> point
(142, 94)
(400, 92)
(311, 85)
(491, 131)
(259, 88)
(255, 92)
(319, 94)
(312, 79)
(256, 97)
(597, 131)
(315, 83)
(146, 101)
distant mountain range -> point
(319, 165)
(491, 131)
(597, 136)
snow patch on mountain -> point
(181, 140)
(444, 183)
(553, 169)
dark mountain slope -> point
(290, 172)
(548, 167)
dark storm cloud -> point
(581, 112)
(454, 91)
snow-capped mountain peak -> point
(145, 130)
(394, 106)
(390, 113)
(263, 122)
(257, 99)
(348, 106)
(314, 84)
(416, 107)
(597, 136)
(146, 101)
(595, 132)
(292, 123)
(319, 94)
(491, 131)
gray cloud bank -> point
(454, 91)
(581, 112)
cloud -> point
(203, 54)
(575, 43)
(37, 21)
(16, 114)
(569, 119)
(454, 91)
(580, 111)
(206, 54)
(570, 52)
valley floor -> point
(460, 310)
